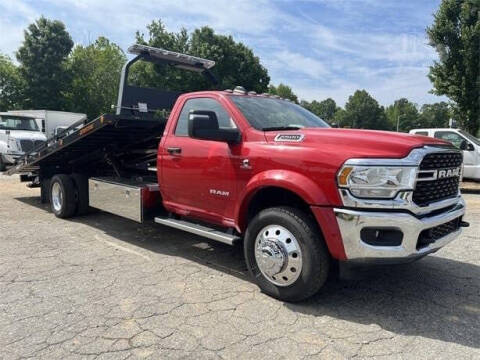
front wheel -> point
(285, 254)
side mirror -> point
(203, 124)
(466, 146)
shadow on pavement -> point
(435, 297)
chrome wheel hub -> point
(278, 255)
(57, 197)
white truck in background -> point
(23, 130)
(469, 144)
(50, 121)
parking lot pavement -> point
(100, 287)
(471, 187)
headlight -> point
(376, 181)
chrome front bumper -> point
(351, 223)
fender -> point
(297, 183)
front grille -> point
(427, 192)
(430, 191)
(38, 143)
(431, 235)
(441, 161)
(27, 145)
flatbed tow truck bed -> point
(87, 141)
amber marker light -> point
(343, 176)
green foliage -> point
(235, 63)
(403, 114)
(435, 115)
(11, 85)
(363, 112)
(455, 34)
(284, 91)
(340, 118)
(95, 73)
(325, 109)
(42, 64)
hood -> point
(27, 135)
(351, 143)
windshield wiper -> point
(288, 127)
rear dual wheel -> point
(2, 164)
(62, 196)
(69, 195)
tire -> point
(62, 196)
(81, 184)
(307, 243)
(45, 191)
(2, 164)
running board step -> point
(199, 230)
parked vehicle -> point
(18, 134)
(469, 144)
(51, 122)
(234, 166)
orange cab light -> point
(343, 176)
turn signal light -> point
(343, 176)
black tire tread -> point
(81, 183)
(45, 191)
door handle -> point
(174, 150)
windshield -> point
(8, 122)
(470, 137)
(267, 114)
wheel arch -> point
(276, 188)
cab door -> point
(198, 176)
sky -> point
(321, 48)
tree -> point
(455, 34)
(11, 85)
(235, 65)
(404, 114)
(325, 109)
(435, 115)
(363, 111)
(340, 118)
(284, 91)
(42, 64)
(95, 71)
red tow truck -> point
(236, 166)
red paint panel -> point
(329, 226)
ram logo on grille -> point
(448, 173)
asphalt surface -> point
(101, 287)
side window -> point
(424, 133)
(224, 119)
(454, 138)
